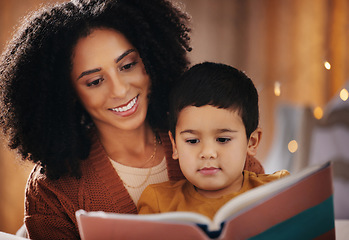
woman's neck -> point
(131, 148)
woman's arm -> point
(49, 213)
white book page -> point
(181, 217)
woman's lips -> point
(209, 171)
(126, 109)
(126, 106)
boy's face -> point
(211, 146)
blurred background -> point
(295, 51)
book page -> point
(181, 217)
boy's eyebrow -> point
(188, 131)
(223, 130)
(118, 59)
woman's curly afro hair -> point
(39, 109)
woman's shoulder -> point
(253, 165)
(38, 183)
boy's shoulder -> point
(264, 178)
(169, 185)
(161, 192)
(167, 189)
(280, 174)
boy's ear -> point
(254, 141)
(174, 148)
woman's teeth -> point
(127, 107)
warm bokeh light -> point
(327, 65)
(292, 146)
(318, 113)
(344, 94)
(277, 89)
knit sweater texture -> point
(50, 205)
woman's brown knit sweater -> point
(50, 206)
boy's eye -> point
(128, 66)
(223, 140)
(192, 141)
(95, 82)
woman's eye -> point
(128, 66)
(223, 140)
(192, 141)
(95, 82)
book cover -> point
(299, 206)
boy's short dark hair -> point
(218, 85)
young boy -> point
(214, 119)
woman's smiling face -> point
(110, 80)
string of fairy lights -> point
(317, 111)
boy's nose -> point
(208, 152)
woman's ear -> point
(254, 141)
(174, 147)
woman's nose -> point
(118, 86)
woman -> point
(85, 87)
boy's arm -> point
(253, 165)
(148, 202)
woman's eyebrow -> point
(99, 69)
(124, 55)
(88, 72)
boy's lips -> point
(209, 170)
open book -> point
(299, 206)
